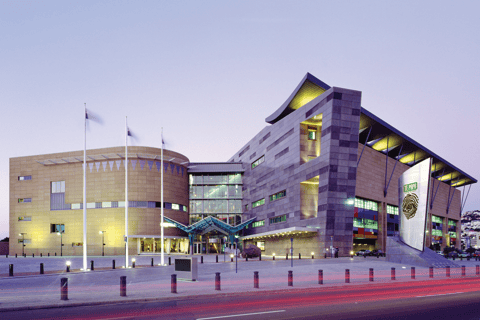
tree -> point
(4, 239)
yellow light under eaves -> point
(392, 140)
(449, 176)
(305, 94)
(417, 156)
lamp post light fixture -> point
(60, 233)
(23, 242)
(103, 241)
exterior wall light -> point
(68, 263)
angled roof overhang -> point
(308, 89)
(212, 167)
(210, 223)
(281, 232)
(382, 137)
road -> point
(457, 298)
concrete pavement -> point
(28, 289)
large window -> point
(260, 223)
(366, 204)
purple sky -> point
(210, 72)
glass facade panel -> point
(214, 192)
(196, 206)
(215, 206)
(215, 179)
(196, 192)
(235, 191)
(234, 206)
(235, 178)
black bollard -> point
(364, 256)
(347, 275)
(370, 275)
(113, 264)
(393, 274)
(217, 280)
(6, 256)
(273, 257)
(64, 289)
(174, 284)
(477, 270)
(290, 278)
(246, 258)
(68, 268)
(231, 258)
(169, 261)
(299, 256)
(255, 279)
(201, 259)
(260, 257)
(463, 271)
(431, 272)
(313, 256)
(447, 271)
(33, 255)
(41, 268)
(286, 257)
(151, 262)
(412, 272)
(41, 255)
(49, 254)
(92, 265)
(10, 270)
(133, 263)
(123, 286)
(15, 255)
(55, 254)
(216, 258)
(320, 276)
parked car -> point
(363, 252)
(377, 253)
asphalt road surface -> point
(436, 299)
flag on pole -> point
(89, 115)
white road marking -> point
(442, 294)
(240, 315)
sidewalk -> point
(28, 289)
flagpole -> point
(126, 194)
(85, 193)
(161, 223)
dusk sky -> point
(210, 72)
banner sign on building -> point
(413, 187)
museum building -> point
(322, 174)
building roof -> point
(217, 167)
(382, 137)
(376, 134)
(209, 224)
(309, 88)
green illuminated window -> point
(24, 218)
(278, 219)
(278, 195)
(392, 210)
(258, 203)
(452, 234)
(312, 135)
(258, 224)
(437, 219)
(452, 223)
(366, 204)
(436, 232)
(257, 162)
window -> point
(54, 228)
(278, 219)
(246, 207)
(24, 218)
(258, 203)
(278, 195)
(260, 223)
(25, 242)
(257, 162)
(261, 245)
(106, 204)
(22, 178)
(77, 244)
(76, 206)
(392, 210)
(436, 219)
(366, 204)
(175, 206)
(58, 187)
(21, 200)
(312, 133)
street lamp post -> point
(60, 233)
(23, 242)
(236, 254)
(103, 241)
